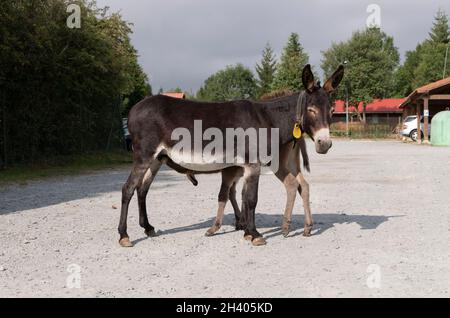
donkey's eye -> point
(312, 110)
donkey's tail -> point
(304, 153)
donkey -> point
(152, 121)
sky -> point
(182, 42)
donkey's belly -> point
(204, 167)
(199, 162)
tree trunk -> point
(364, 113)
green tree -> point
(232, 83)
(266, 70)
(426, 63)
(405, 75)
(440, 32)
(372, 60)
(292, 61)
(140, 88)
(176, 90)
(431, 66)
(62, 89)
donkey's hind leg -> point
(142, 191)
(223, 198)
(230, 177)
(239, 225)
(136, 175)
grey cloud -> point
(182, 42)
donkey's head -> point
(317, 109)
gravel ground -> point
(382, 214)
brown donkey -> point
(153, 121)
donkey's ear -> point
(333, 82)
(308, 78)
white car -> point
(409, 128)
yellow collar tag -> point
(297, 133)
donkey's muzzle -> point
(323, 141)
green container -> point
(440, 129)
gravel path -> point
(382, 214)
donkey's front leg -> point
(303, 187)
(304, 193)
(249, 202)
(291, 185)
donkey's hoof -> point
(150, 233)
(285, 230)
(307, 231)
(125, 242)
(259, 241)
(211, 231)
(248, 237)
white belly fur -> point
(189, 162)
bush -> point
(360, 130)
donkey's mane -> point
(277, 94)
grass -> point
(64, 166)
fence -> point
(360, 130)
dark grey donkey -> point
(152, 121)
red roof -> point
(426, 90)
(432, 86)
(175, 95)
(389, 105)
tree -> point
(405, 75)
(292, 61)
(266, 71)
(139, 89)
(431, 66)
(232, 83)
(440, 32)
(176, 90)
(426, 63)
(63, 89)
(372, 58)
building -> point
(175, 95)
(379, 111)
(427, 101)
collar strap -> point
(300, 110)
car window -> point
(409, 119)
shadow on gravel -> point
(323, 222)
(48, 192)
